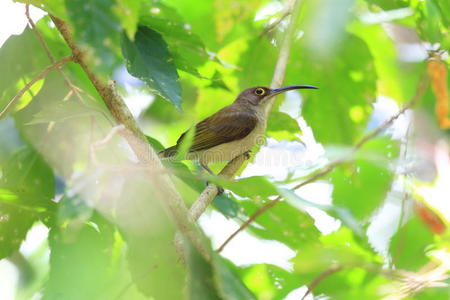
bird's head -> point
(260, 94)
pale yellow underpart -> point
(228, 151)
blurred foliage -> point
(63, 165)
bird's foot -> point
(220, 189)
(247, 154)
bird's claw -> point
(247, 154)
(220, 189)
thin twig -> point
(330, 271)
(256, 214)
(421, 88)
(170, 199)
(271, 26)
(48, 52)
(38, 77)
(285, 50)
(210, 192)
(38, 34)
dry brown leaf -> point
(437, 70)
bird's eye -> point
(260, 91)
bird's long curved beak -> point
(291, 87)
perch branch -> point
(421, 88)
(53, 66)
(210, 192)
(172, 201)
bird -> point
(231, 131)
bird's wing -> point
(228, 124)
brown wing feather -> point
(226, 125)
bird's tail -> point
(168, 153)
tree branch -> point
(330, 271)
(210, 192)
(53, 66)
(421, 88)
(170, 199)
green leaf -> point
(429, 22)
(10, 139)
(227, 205)
(217, 82)
(96, 25)
(199, 17)
(229, 285)
(81, 262)
(339, 110)
(338, 248)
(392, 81)
(213, 280)
(61, 112)
(281, 126)
(257, 63)
(249, 186)
(149, 60)
(127, 12)
(186, 175)
(433, 293)
(73, 211)
(162, 111)
(283, 223)
(54, 7)
(361, 187)
(154, 143)
(230, 14)
(149, 233)
(389, 4)
(200, 283)
(29, 177)
(409, 245)
(26, 190)
(269, 281)
(444, 8)
(186, 48)
(340, 213)
(19, 65)
(185, 145)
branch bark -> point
(57, 64)
(171, 200)
(421, 88)
(210, 192)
